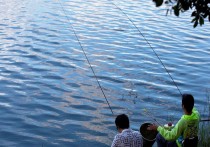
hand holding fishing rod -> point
(187, 126)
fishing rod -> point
(203, 120)
(65, 13)
(149, 114)
(149, 45)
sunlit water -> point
(48, 94)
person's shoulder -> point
(118, 135)
(136, 133)
(181, 124)
(195, 111)
(182, 120)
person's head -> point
(188, 102)
(122, 122)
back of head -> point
(122, 121)
(188, 102)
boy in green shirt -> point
(187, 126)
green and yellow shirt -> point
(186, 127)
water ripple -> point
(48, 93)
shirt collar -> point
(127, 130)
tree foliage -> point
(200, 9)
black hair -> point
(188, 102)
(122, 121)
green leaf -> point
(193, 19)
(201, 20)
(176, 10)
(194, 13)
(205, 15)
(195, 24)
(158, 2)
(185, 5)
(166, 2)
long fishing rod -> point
(202, 120)
(65, 13)
(149, 45)
(148, 113)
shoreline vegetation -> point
(204, 126)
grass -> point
(204, 127)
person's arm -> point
(169, 135)
(115, 142)
(174, 133)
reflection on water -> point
(48, 94)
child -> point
(126, 137)
(187, 126)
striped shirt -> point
(128, 138)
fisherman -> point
(187, 127)
(126, 137)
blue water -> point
(48, 94)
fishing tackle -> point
(149, 45)
(85, 56)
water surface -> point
(48, 93)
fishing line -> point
(149, 114)
(65, 13)
(149, 45)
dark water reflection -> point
(48, 94)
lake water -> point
(48, 93)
